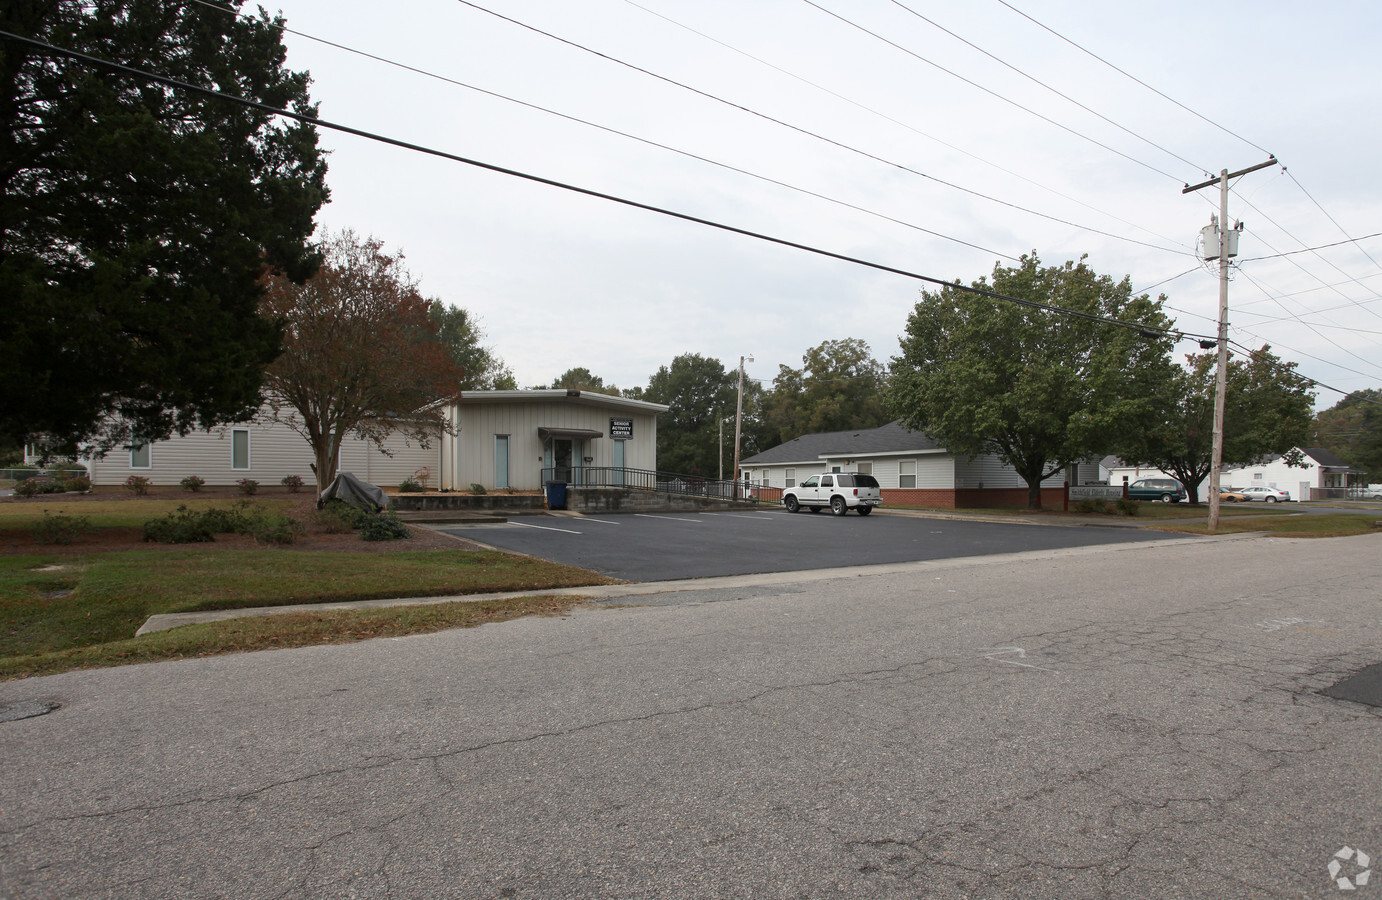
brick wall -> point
(970, 498)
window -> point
(240, 448)
(501, 460)
(907, 473)
(865, 468)
(791, 478)
(1256, 476)
(827, 481)
(141, 457)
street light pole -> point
(738, 416)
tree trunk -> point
(324, 449)
(1033, 493)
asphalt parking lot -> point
(667, 546)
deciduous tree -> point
(361, 355)
(1352, 428)
(1266, 410)
(1039, 389)
(136, 220)
(701, 395)
(459, 332)
(839, 387)
(582, 379)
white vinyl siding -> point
(278, 451)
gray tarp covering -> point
(359, 494)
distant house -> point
(499, 439)
(911, 468)
(1323, 476)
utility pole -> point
(1225, 237)
(738, 414)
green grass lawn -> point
(131, 513)
(56, 604)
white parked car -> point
(838, 491)
(1266, 494)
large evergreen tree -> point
(136, 219)
(1040, 389)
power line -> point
(988, 91)
(811, 134)
(1134, 78)
(1332, 219)
(895, 121)
(1351, 240)
(623, 134)
(1149, 331)
(1039, 82)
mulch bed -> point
(20, 542)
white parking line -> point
(600, 521)
(761, 517)
(673, 518)
(544, 527)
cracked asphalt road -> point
(1144, 722)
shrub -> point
(423, 476)
(1093, 505)
(181, 527)
(137, 485)
(192, 483)
(1128, 507)
(476, 488)
(31, 487)
(247, 486)
(79, 483)
(276, 530)
(338, 517)
(292, 482)
(61, 528)
(410, 485)
(385, 526)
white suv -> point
(841, 491)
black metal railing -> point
(662, 482)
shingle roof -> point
(890, 438)
(1325, 458)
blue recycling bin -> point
(556, 495)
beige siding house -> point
(520, 439)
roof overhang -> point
(580, 433)
(561, 395)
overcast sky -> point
(882, 155)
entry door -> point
(563, 457)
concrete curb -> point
(165, 621)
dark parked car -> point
(1165, 490)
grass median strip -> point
(1299, 525)
(55, 604)
(281, 632)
